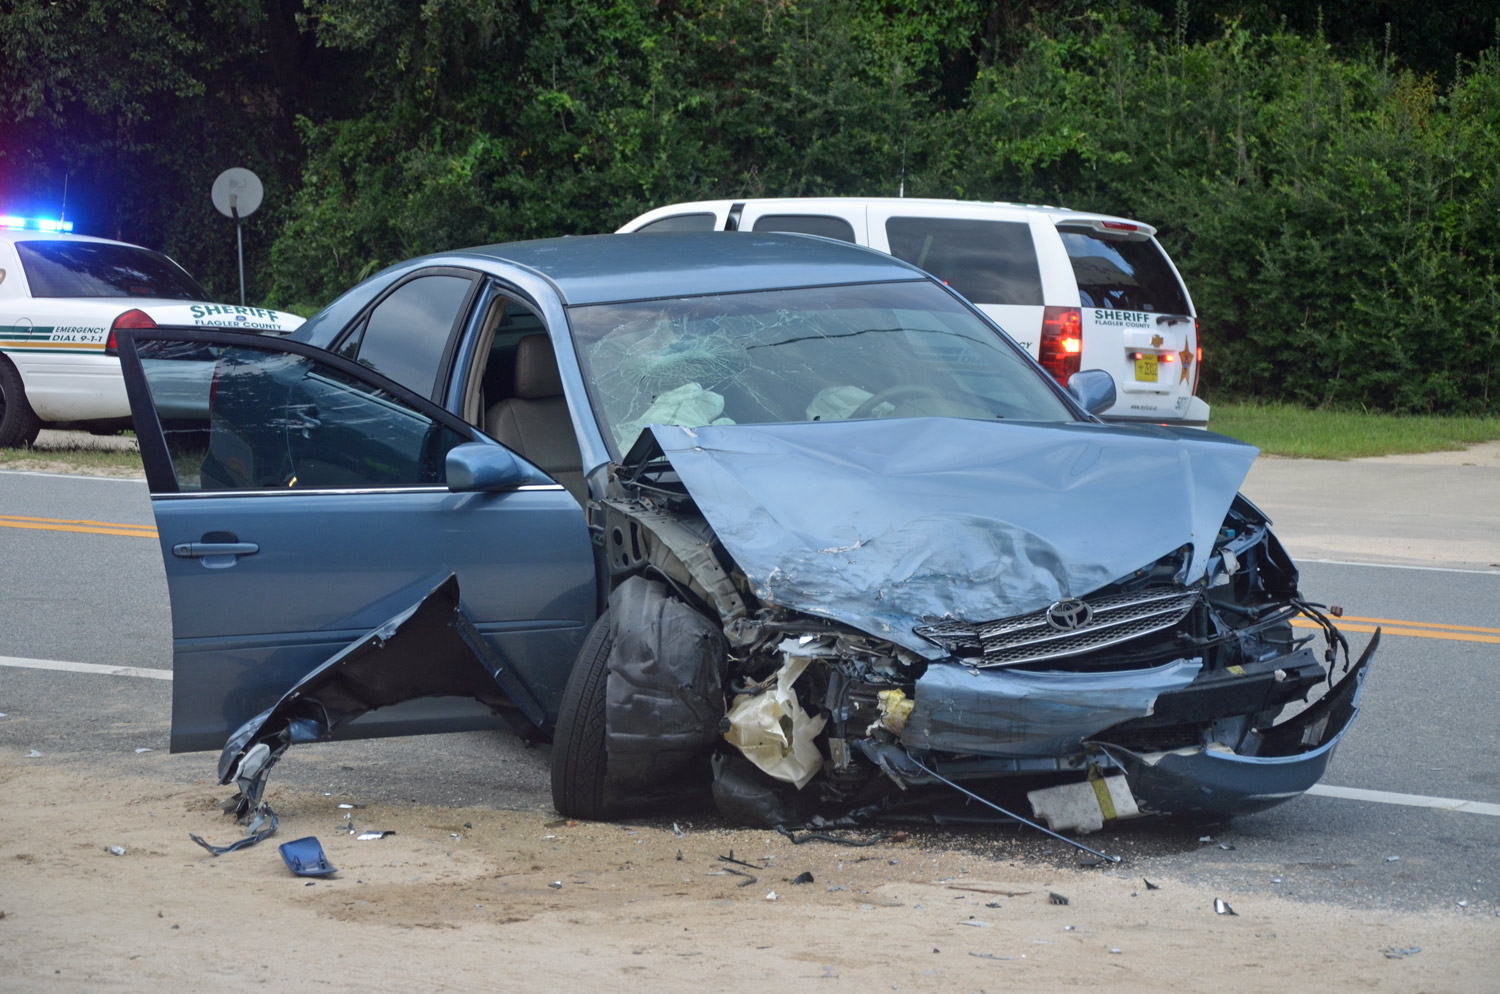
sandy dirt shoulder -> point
(465, 899)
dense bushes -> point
(1333, 210)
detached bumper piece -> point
(1215, 781)
(428, 650)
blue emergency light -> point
(35, 223)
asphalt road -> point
(1427, 725)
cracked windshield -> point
(815, 354)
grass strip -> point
(1289, 430)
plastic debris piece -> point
(1221, 907)
(556, 885)
(805, 877)
(346, 807)
(992, 904)
(367, 836)
(1392, 952)
(33, 754)
(677, 831)
(1226, 846)
(988, 956)
(1069, 928)
(835, 887)
(1463, 904)
(1205, 838)
(1150, 885)
(117, 850)
(1393, 859)
(144, 749)
(262, 825)
(1116, 950)
(975, 923)
(771, 896)
(305, 858)
(468, 824)
(455, 835)
(1056, 898)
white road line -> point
(57, 664)
(1429, 569)
(1409, 800)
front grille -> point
(1116, 618)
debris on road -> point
(117, 850)
(1055, 898)
(1392, 952)
(368, 836)
(305, 858)
(1221, 907)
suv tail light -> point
(1061, 346)
(133, 318)
(1197, 353)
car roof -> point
(32, 235)
(594, 269)
(1057, 214)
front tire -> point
(579, 753)
(19, 424)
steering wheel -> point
(891, 393)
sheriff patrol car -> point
(61, 298)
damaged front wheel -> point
(579, 757)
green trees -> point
(1329, 196)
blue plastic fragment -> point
(305, 858)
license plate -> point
(1145, 369)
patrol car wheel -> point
(18, 422)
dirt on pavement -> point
(463, 899)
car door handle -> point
(200, 550)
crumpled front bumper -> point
(1217, 782)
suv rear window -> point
(1123, 275)
(99, 269)
(990, 262)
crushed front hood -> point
(886, 524)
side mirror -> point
(480, 466)
(1094, 389)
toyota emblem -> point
(1069, 615)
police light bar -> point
(35, 223)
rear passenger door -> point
(991, 260)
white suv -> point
(1076, 290)
(61, 298)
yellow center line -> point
(80, 525)
(1418, 624)
(1412, 632)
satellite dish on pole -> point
(237, 190)
(237, 193)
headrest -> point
(536, 369)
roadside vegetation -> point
(1282, 429)
(1326, 175)
(76, 453)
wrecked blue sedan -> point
(769, 518)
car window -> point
(807, 224)
(680, 222)
(407, 333)
(100, 269)
(240, 418)
(990, 262)
(1128, 275)
(811, 354)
